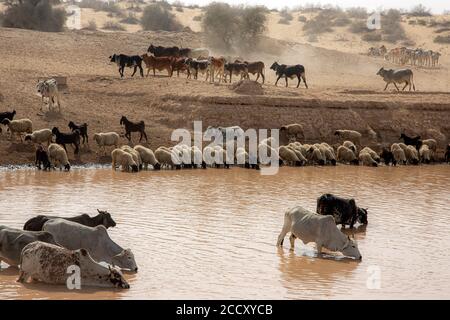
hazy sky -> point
(437, 6)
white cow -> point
(73, 236)
(312, 227)
(49, 89)
(52, 264)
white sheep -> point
(351, 135)
(293, 131)
(136, 156)
(266, 153)
(167, 157)
(124, 159)
(346, 155)
(147, 157)
(58, 156)
(350, 145)
(412, 155)
(18, 126)
(431, 143)
(298, 153)
(288, 156)
(372, 153)
(40, 136)
(366, 159)
(315, 156)
(106, 139)
(425, 153)
(328, 151)
(399, 154)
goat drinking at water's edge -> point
(131, 126)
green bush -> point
(357, 13)
(230, 27)
(286, 15)
(302, 19)
(34, 15)
(130, 19)
(100, 6)
(359, 26)
(157, 17)
(284, 21)
(420, 11)
(391, 28)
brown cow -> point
(179, 64)
(256, 67)
(216, 64)
(160, 63)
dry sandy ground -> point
(344, 91)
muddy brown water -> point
(212, 233)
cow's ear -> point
(352, 202)
(83, 252)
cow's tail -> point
(286, 228)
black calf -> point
(42, 159)
(123, 61)
(343, 210)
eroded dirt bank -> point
(343, 99)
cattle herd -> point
(403, 55)
(198, 61)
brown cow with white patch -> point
(159, 63)
(256, 67)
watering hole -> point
(211, 233)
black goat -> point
(67, 138)
(42, 158)
(388, 157)
(133, 127)
(409, 141)
(82, 128)
(6, 115)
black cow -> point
(286, 71)
(102, 218)
(343, 210)
(42, 158)
(194, 66)
(123, 61)
(159, 51)
(409, 141)
(6, 115)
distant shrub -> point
(286, 15)
(313, 38)
(357, 13)
(100, 6)
(412, 22)
(341, 22)
(420, 11)
(157, 17)
(134, 8)
(408, 43)
(391, 26)
(302, 19)
(92, 26)
(442, 39)
(227, 27)
(197, 18)
(284, 21)
(114, 26)
(179, 9)
(372, 37)
(441, 30)
(130, 19)
(359, 26)
(421, 22)
(34, 15)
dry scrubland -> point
(344, 91)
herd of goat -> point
(403, 55)
(413, 150)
